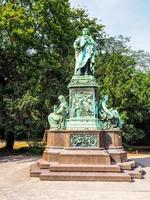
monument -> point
(84, 139)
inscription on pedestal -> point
(82, 140)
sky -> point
(130, 18)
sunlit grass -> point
(18, 144)
(2, 144)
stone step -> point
(96, 157)
(85, 176)
(136, 173)
(35, 171)
(128, 165)
(84, 168)
(42, 164)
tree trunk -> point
(10, 138)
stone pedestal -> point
(83, 103)
(84, 151)
(76, 147)
(69, 143)
(99, 157)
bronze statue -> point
(57, 118)
(85, 50)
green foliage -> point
(36, 148)
(37, 62)
(36, 57)
(129, 89)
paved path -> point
(15, 184)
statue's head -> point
(85, 31)
(106, 98)
(61, 98)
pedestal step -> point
(137, 173)
(128, 165)
(85, 176)
(55, 166)
(35, 171)
(84, 168)
(59, 172)
(95, 157)
(43, 164)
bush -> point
(36, 147)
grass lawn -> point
(23, 147)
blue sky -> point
(129, 18)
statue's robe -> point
(85, 49)
(56, 118)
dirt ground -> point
(15, 184)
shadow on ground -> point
(143, 162)
(18, 158)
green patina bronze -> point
(57, 118)
(83, 98)
(109, 117)
(85, 50)
(83, 140)
(86, 111)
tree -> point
(142, 60)
(36, 58)
(127, 87)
